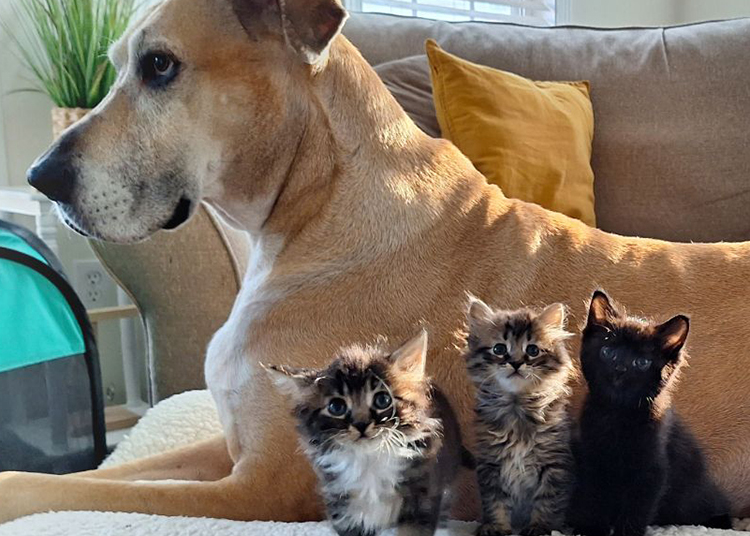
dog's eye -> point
(532, 350)
(337, 407)
(158, 68)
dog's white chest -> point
(229, 368)
(369, 478)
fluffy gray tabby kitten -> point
(382, 439)
(520, 368)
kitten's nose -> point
(620, 368)
(361, 426)
(516, 366)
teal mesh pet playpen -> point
(51, 407)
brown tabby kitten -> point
(382, 439)
(520, 367)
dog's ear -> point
(311, 25)
(258, 17)
(308, 26)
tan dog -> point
(362, 226)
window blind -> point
(534, 12)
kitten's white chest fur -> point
(369, 477)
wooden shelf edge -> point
(119, 418)
(103, 314)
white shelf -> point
(26, 201)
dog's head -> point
(209, 100)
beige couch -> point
(671, 155)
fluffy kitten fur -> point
(637, 463)
(383, 440)
(520, 367)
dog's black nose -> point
(53, 174)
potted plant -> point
(64, 44)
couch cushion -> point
(532, 139)
(409, 81)
(670, 152)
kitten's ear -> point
(553, 316)
(410, 360)
(479, 313)
(601, 310)
(290, 381)
(673, 333)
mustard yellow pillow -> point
(532, 139)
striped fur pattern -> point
(520, 367)
(382, 439)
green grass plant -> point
(64, 44)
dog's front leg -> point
(29, 493)
(269, 488)
(203, 461)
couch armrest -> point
(184, 284)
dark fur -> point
(417, 441)
(637, 463)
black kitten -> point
(637, 463)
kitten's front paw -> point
(492, 529)
(535, 530)
(415, 530)
(590, 530)
(627, 529)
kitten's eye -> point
(337, 407)
(642, 363)
(532, 350)
(500, 349)
(382, 400)
(607, 353)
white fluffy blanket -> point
(181, 420)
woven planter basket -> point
(62, 118)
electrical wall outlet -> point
(94, 287)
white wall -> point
(26, 125)
(623, 12)
(698, 10)
(653, 12)
(3, 156)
